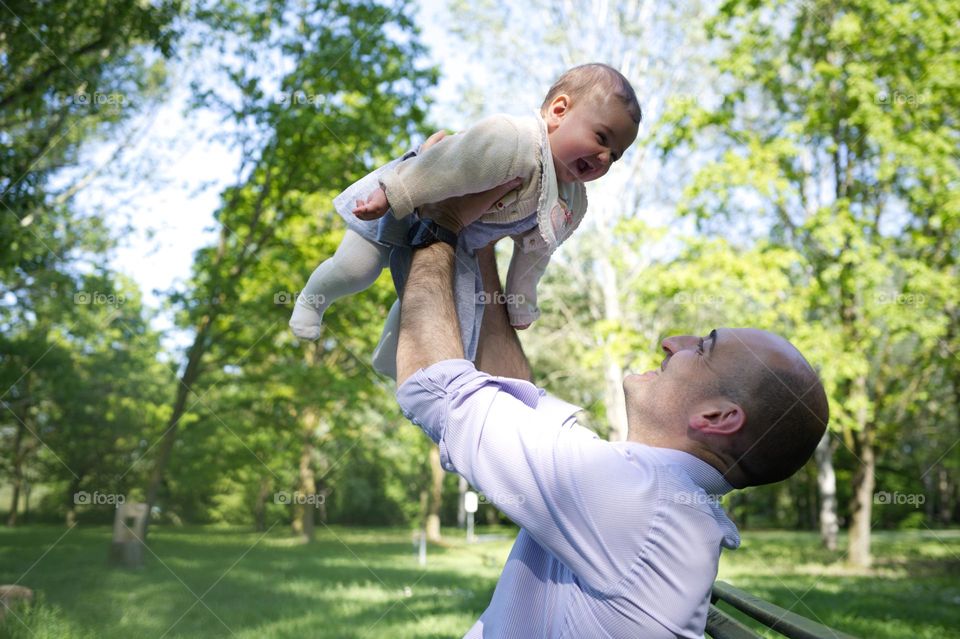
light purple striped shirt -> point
(617, 539)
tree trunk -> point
(260, 506)
(945, 496)
(827, 487)
(304, 510)
(199, 348)
(71, 515)
(436, 495)
(812, 512)
(17, 473)
(424, 506)
(27, 489)
(861, 501)
(190, 375)
(322, 491)
(861, 506)
(614, 400)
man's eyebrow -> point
(713, 339)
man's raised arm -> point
(429, 328)
(498, 350)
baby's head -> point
(592, 116)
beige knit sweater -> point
(493, 151)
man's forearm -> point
(429, 327)
(498, 350)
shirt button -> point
(500, 205)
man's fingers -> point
(433, 139)
(458, 212)
(485, 200)
(499, 191)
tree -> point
(353, 69)
(833, 138)
(72, 71)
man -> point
(618, 539)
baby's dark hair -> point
(595, 80)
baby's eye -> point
(602, 139)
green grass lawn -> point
(227, 582)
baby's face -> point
(587, 136)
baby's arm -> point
(376, 206)
(526, 269)
(482, 157)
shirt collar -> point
(702, 473)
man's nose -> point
(676, 343)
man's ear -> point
(558, 109)
(719, 417)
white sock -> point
(354, 267)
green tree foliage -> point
(71, 71)
(346, 97)
(78, 367)
(833, 137)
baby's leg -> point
(354, 267)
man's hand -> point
(433, 139)
(374, 208)
(458, 212)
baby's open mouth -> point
(582, 166)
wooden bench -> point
(721, 625)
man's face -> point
(587, 136)
(661, 402)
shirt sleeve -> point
(551, 476)
(482, 157)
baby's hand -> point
(374, 208)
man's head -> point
(592, 116)
(743, 399)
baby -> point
(588, 119)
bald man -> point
(618, 539)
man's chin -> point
(639, 387)
(641, 377)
